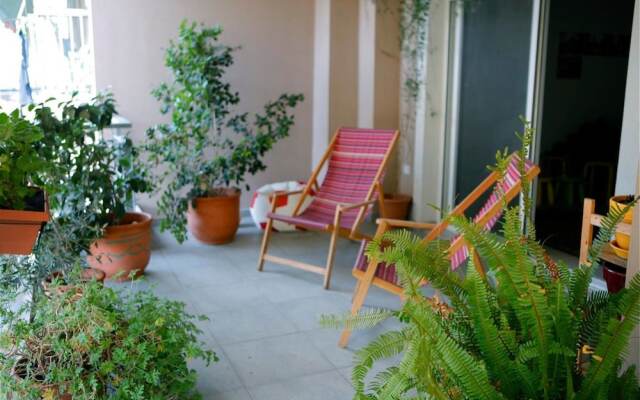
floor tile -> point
(248, 323)
(239, 394)
(305, 313)
(264, 361)
(209, 299)
(324, 386)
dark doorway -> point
(584, 89)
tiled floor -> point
(264, 326)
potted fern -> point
(207, 150)
(23, 207)
(530, 329)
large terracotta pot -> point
(19, 230)
(215, 220)
(123, 248)
(396, 206)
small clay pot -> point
(215, 219)
(614, 276)
(396, 206)
(124, 248)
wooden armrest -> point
(399, 223)
(347, 207)
(280, 193)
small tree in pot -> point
(200, 161)
(93, 181)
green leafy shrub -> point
(96, 343)
(194, 152)
(531, 329)
(20, 164)
(92, 176)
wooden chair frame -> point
(367, 278)
(334, 229)
(590, 220)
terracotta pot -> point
(124, 248)
(396, 206)
(614, 277)
(620, 202)
(47, 391)
(19, 230)
(87, 274)
(215, 220)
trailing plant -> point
(196, 152)
(96, 343)
(20, 164)
(530, 329)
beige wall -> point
(630, 137)
(344, 65)
(276, 56)
(387, 83)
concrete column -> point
(321, 80)
(366, 63)
(431, 113)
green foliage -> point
(193, 155)
(89, 182)
(20, 164)
(96, 343)
(91, 176)
(531, 329)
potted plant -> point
(23, 207)
(95, 180)
(530, 329)
(103, 344)
(396, 206)
(207, 150)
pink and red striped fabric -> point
(352, 167)
(511, 178)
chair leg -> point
(362, 288)
(330, 257)
(265, 243)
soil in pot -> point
(215, 219)
(396, 206)
(87, 275)
(124, 249)
(19, 229)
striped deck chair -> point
(370, 272)
(356, 160)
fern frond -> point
(384, 346)
(614, 340)
(363, 320)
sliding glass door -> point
(491, 68)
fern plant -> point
(529, 329)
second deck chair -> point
(370, 272)
(356, 161)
